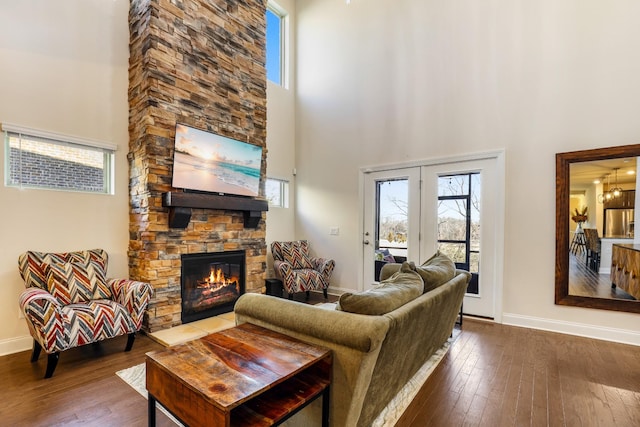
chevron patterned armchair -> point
(298, 270)
(69, 302)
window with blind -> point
(36, 159)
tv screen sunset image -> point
(205, 161)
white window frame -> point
(108, 150)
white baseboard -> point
(18, 344)
(15, 345)
(334, 290)
(580, 329)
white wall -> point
(281, 125)
(388, 81)
(379, 82)
(64, 70)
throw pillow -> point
(402, 287)
(95, 256)
(384, 255)
(72, 283)
(297, 254)
(436, 271)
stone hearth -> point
(200, 63)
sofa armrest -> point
(39, 306)
(355, 340)
(324, 266)
(465, 273)
(282, 269)
(133, 295)
(44, 317)
(355, 331)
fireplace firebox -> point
(211, 283)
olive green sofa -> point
(373, 355)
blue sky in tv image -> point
(205, 161)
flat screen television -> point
(207, 162)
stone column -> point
(200, 63)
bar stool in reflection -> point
(579, 242)
(593, 248)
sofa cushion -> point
(72, 283)
(402, 287)
(97, 320)
(297, 254)
(33, 265)
(94, 256)
(436, 271)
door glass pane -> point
(452, 219)
(474, 264)
(455, 251)
(453, 185)
(459, 222)
(392, 218)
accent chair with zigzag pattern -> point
(69, 302)
(298, 270)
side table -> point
(274, 287)
(242, 376)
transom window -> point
(276, 26)
(36, 159)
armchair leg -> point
(131, 338)
(324, 292)
(52, 362)
(35, 354)
(290, 296)
(308, 295)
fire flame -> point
(216, 277)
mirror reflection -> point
(602, 238)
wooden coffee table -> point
(243, 376)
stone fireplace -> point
(210, 283)
(200, 63)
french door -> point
(410, 213)
(391, 219)
(464, 221)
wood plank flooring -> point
(493, 375)
(84, 390)
(497, 375)
(585, 282)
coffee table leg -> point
(325, 406)
(152, 411)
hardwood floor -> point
(84, 390)
(497, 375)
(493, 375)
(583, 281)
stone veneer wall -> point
(200, 63)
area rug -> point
(136, 378)
(394, 410)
